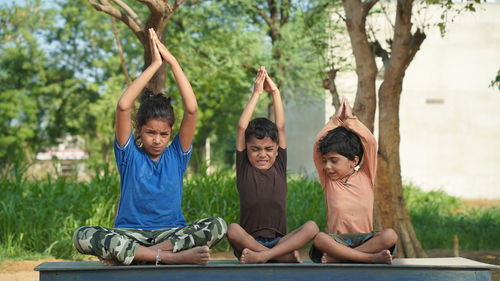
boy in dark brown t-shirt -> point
(261, 180)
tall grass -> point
(38, 217)
(437, 216)
(216, 195)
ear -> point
(355, 161)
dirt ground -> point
(23, 270)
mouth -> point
(262, 162)
(332, 175)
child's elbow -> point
(241, 128)
(192, 110)
(280, 126)
(122, 107)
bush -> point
(38, 217)
(437, 216)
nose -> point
(156, 139)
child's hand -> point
(155, 54)
(258, 85)
(347, 108)
(340, 110)
(269, 85)
(164, 52)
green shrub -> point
(38, 217)
(437, 217)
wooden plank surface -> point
(445, 269)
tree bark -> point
(277, 16)
(389, 208)
(365, 105)
(160, 13)
(120, 51)
(389, 189)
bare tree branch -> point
(367, 6)
(329, 84)
(154, 6)
(120, 51)
(285, 11)
(129, 11)
(380, 52)
(263, 15)
(116, 13)
(172, 9)
(415, 42)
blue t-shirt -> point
(151, 192)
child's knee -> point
(311, 227)
(389, 237)
(220, 226)
(321, 238)
(82, 239)
(233, 231)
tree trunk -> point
(160, 13)
(389, 189)
(366, 69)
(389, 208)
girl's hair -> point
(261, 128)
(154, 107)
(342, 141)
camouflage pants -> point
(120, 244)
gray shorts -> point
(351, 240)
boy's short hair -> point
(261, 128)
(342, 141)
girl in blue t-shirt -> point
(149, 226)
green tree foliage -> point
(294, 52)
(32, 88)
(61, 74)
(219, 54)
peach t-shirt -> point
(349, 207)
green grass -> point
(38, 217)
(437, 216)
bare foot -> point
(327, 259)
(248, 256)
(196, 255)
(383, 256)
(292, 257)
(108, 262)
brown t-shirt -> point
(262, 196)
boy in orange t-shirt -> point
(339, 148)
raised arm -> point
(279, 111)
(369, 162)
(246, 115)
(123, 124)
(332, 123)
(188, 124)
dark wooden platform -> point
(443, 269)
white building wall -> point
(449, 116)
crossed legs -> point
(183, 245)
(285, 251)
(372, 251)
